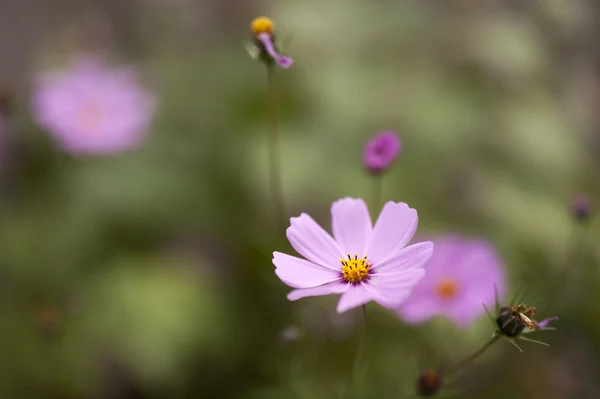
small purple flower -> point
(381, 151)
(461, 276)
(262, 28)
(93, 109)
(581, 206)
(546, 322)
(361, 262)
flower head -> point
(262, 28)
(581, 206)
(513, 320)
(461, 275)
(362, 262)
(516, 320)
(262, 25)
(92, 109)
(381, 151)
(429, 383)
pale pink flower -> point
(361, 262)
(92, 108)
(461, 277)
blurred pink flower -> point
(461, 277)
(361, 262)
(381, 151)
(94, 109)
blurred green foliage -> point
(149, 275)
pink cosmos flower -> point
(93, 109)
(362, 262)
(461, 277)
(381, 151)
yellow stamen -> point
(446, 288)
(354, 269)
(262, 25)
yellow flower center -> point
(354, 269)
(446, 288)
(262, 25)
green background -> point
(149, 275)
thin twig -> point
(469, 359)
(360, 348)
(377, 190)
(274, 156)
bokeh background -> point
(148, 274)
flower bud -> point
(381, 151)
(581, 207)
(429, 383)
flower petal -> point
(311, 241)
(413, 256)
(391, 289)
(283, 61)
(356, 295)
(417, 309)
(299, 273)
(336, 287)
(394, 228)
(546, 322)
(463, 313)
(351, 225)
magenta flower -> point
(381, 151)
(461, 277)
(93, 109)
(361, 262)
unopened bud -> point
(581, 207)
(429, 383)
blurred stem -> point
(275, 184)
(571, 261)
(360, 348)
(292, 367)
(377, 190)
(469, 359)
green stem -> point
(571, 263)
(377, 190)
(292, 367)
(361, 345)
(469, 359)
(275, 184)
